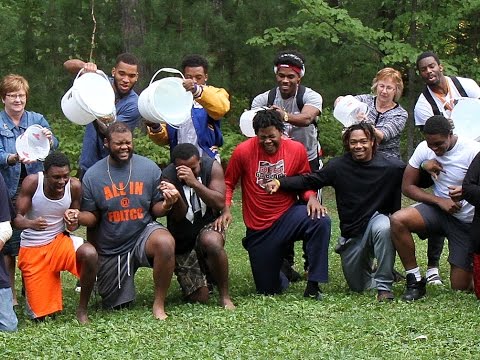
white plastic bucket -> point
(246, 121)
(166, 100)
(33, 144)
(466, 118)
(90, 97)
(348, 110)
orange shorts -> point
(41, 267)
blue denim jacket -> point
(92, 147)
(8, 135)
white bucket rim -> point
(347, 108)
(151, 109)
(33, 144)
(246, 121)
(88, 100)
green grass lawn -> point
(344, 325)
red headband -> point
(294, 68)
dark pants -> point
(266, 248)
(434, 250)
(290, 251)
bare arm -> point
(71, 215)
(411, 178)
(213, 195)
(303, 119)
(73, 66)
(170, 197)
(24, 204)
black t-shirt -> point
(361, 188)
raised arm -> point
(73, 66)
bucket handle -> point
(167, 69)
(99, 72)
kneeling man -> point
(367, 190)
(447, 157)
(121, 197)
(46, 247)
(199, 245)
(274, 221)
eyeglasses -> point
(382, 87)
(15, 96)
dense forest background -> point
(345, 43)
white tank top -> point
(51, 210)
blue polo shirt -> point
(92, 148)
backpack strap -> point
(459, 86)
(271, 96)
(300, 93)
(431, 101)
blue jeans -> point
(8, 318)
(266, 248)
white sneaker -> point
(434, 279)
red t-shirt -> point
(254, 167)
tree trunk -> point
(411, 82)
(133, 28)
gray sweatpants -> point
(358, 254)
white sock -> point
(432, 271)
(416, 272)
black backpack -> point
(431, 101)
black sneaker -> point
(414, 289)
(289, 272)
(313, 291)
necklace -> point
(110, 176)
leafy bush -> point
(70, 137)
(330, 131)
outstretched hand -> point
(272, 186)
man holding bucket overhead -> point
(210, 105)
(125, 76)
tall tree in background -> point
(133, 28)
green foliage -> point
(70, 137)
(330, 133)
(146, 147)
(345, 44)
